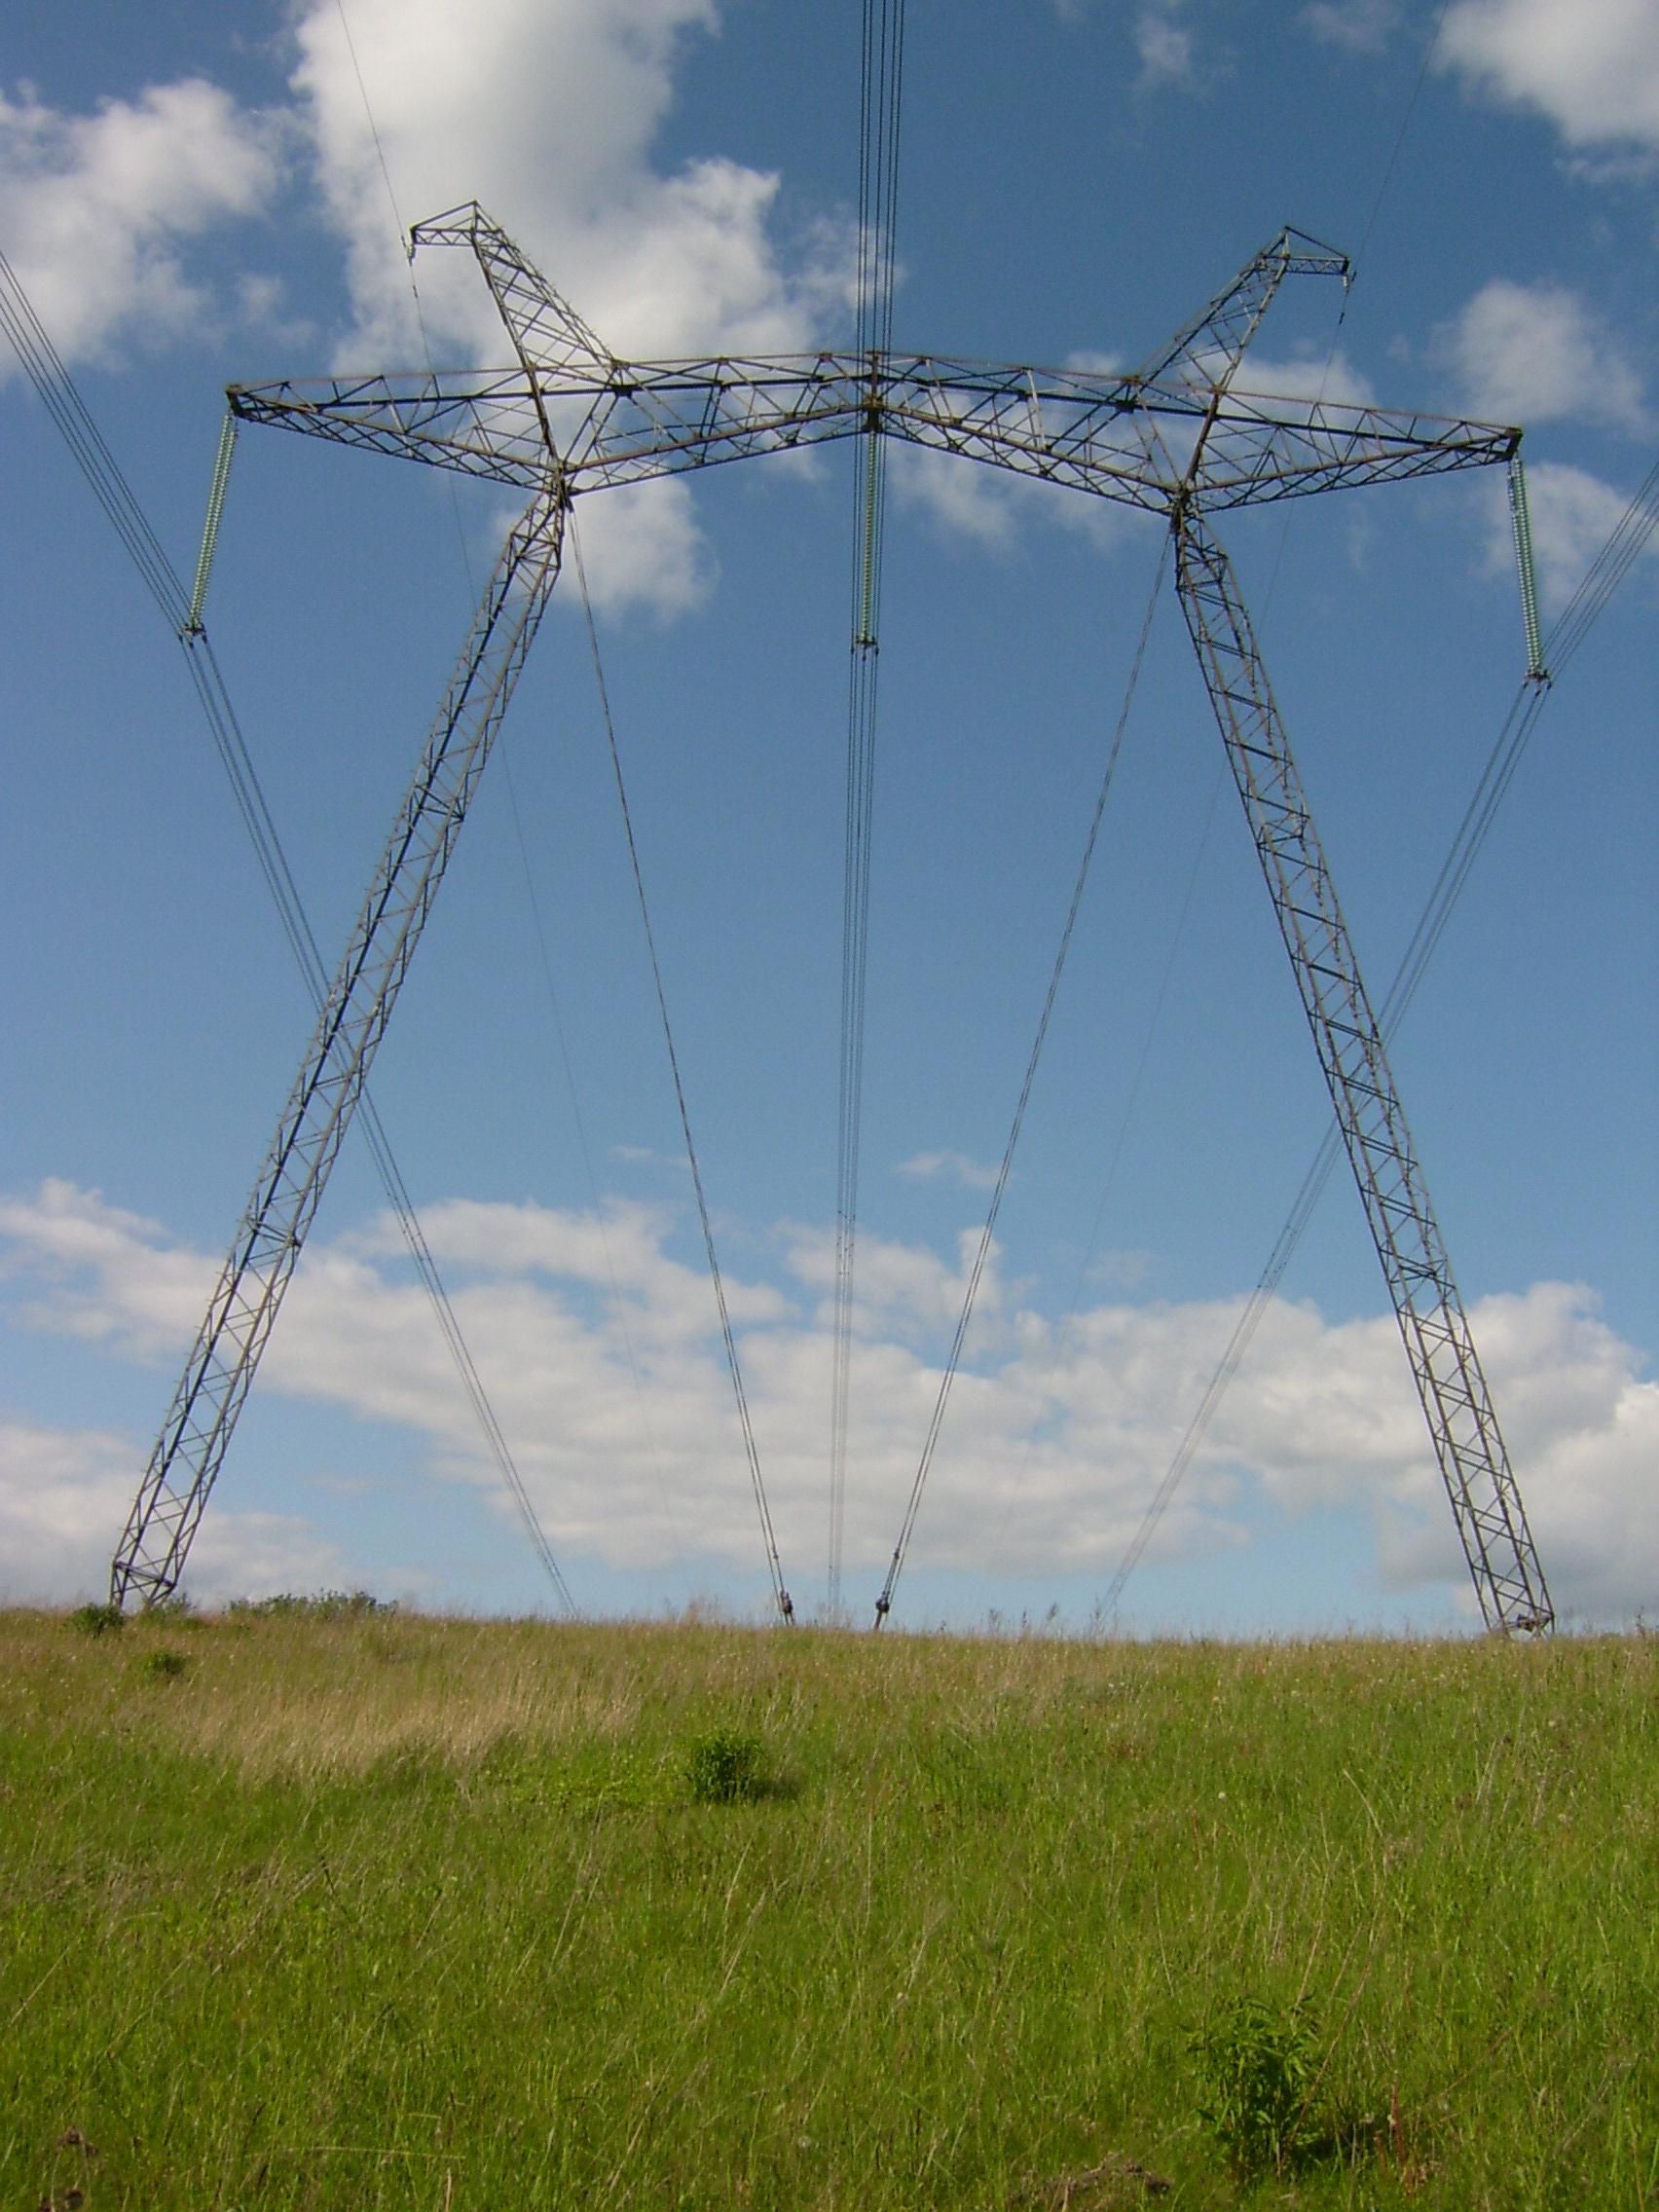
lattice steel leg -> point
(197, 1432)
(1462, 1426)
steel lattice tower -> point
(1174, 439)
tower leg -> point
(1462, 1426)
(198, 1425)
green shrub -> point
(165, 1666)
(1261, 2069)
(321, 1606)
(176, 1606)
(98, 1620)
(724, 1767)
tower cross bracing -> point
(1175, 438)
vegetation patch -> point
(1261, 2067)
(98, 1620)
(725, 1766)
(321, 1606)
(379, 1912)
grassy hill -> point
(360, 1910)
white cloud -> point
(93, 210)
(1334, 379)
(1531, 354)
(147, 1294)
(956, 1166)
(642, 549)
(902, 1290)
(1583, 1429)
(1591, 66)
(984, 508)
(1361, 26)
(968, 501)
(64, 1496)
(655, 264)
(1058, 1435)
(1163, 46)
(1573, 514)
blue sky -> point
(192, 197)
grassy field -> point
(388, 1912)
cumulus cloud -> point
(146, 1294)
(902, 1290)
(1582, 1423)
(656, 264)
(1058, 1433)
(1591, 66)
(954, 1166)
(1531, 354)
(1164, 45)
(64, 1496)
(1336, 379)
(1360, 26)
(983, 509)
(969, 505)
(642, 550)
(94, 211)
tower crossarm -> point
(1114, 438)
(1261, 448)
(1462, 1425)
(485, 423)
(1173, 433)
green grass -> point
(369, 1911)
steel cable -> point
(896, 1567)
(880, 105)
(774, 1565)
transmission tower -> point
(1175, 439)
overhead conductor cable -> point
(880, 99)
(781, 1598)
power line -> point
(774, 1565)
(896, 1567)
(880, 109)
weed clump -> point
(320, 1606)
(98, 1620)
(725, 1767)
(1261, 2071)
(165, 1666)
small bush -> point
(724, 1767)
(98, 1620)
(165, 1666)
(322, 1605)
(176, 1606)
(1261, 2068)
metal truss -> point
(1175, 438)
(1462, 1426)
(199, 1422)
